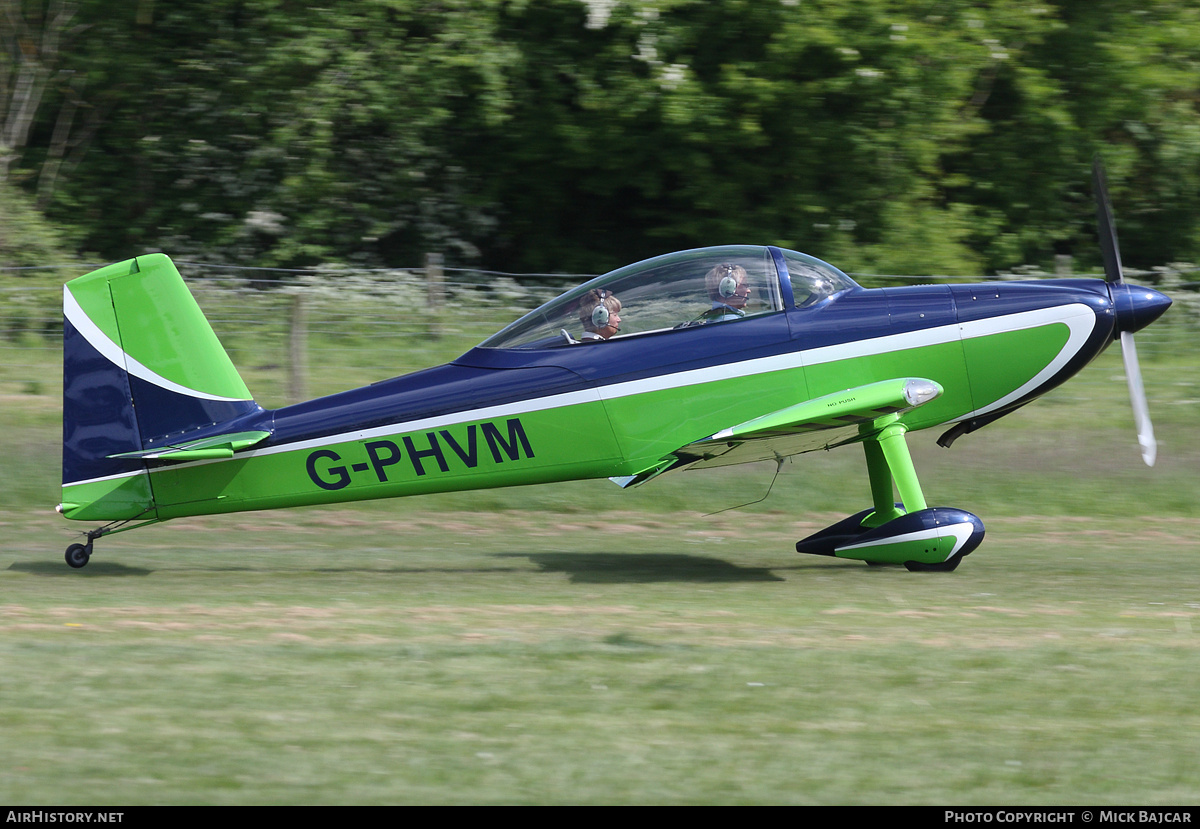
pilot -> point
(599, 311)
(729, 292)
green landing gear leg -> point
(887, 460)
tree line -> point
(887, 136)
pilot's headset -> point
(729, 284)
(600, 314)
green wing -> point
(822, 423)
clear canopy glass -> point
(679, 290)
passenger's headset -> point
(729, 284)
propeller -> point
(1121, 297)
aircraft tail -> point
(142, 368)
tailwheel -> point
(78, 555)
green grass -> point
(348, 656)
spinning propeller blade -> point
(1137, 396)
(1115, 277)
(1106, 225)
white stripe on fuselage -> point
(1079, 318)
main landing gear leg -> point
(909, 532)
(888, 459)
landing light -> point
(917, 392)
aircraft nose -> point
(1137, 306)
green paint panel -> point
(163, 328)
(654, 424)
(109, 500)
(92, 294)
(944, 364)
(928, 551)
(537, 447)
(1002, 363)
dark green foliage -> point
(573, 135)
(27, 240)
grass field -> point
(582, 644)
(375, 656)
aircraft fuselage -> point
(499, 417)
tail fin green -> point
(142, 368)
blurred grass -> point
(583, 644)
(599, 658)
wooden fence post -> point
(434, 292)
(297, 352)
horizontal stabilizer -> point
(210, 448)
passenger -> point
(599, 311)
(727, 288)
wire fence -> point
(293, 334)
(300, 334)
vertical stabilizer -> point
(141, 368)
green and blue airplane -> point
(695, 359)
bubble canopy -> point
(682, 290)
